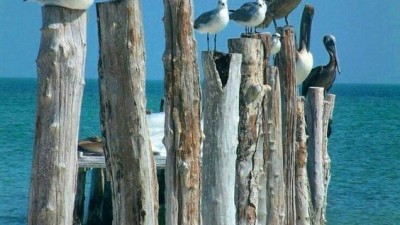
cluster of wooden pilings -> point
(264, 149)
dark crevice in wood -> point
(222, 62)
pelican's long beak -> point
(336, 58)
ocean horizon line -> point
(156, 79)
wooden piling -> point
(79, 207)
(221, 117)
(286, 61)
(129, 157)
(314, 113)
(329, 104)
(96, 199)
(273, 151)
(249, 163)
(60, 67)
(183, 134)
(303, 195)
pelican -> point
(278, 9)
(324, 76)
(276, 43)
(91, 146)
(213, 22)
(250, 14)
(71, 4)
(304, 58)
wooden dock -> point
(90, 162)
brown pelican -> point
(304, 58)
(213, 21)
(278, 9)
(91, 146)
(324, 76)
(250, 14)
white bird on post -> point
(213, 21)
(250, 14)
(71, 4)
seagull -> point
(324, 76)
(250, 14)
(278, 9)
(276, 43)
(71, 4)
(304, 58)
(213, 21)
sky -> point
(367, 37)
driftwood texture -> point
(60, 67)
(285, 61)
(129, 158)
(273, 152)
(221, 118)
(182, 115)
(249, 163)
(79, 207)
(303, 195)
(96, 199)
(329, 104)
(314, 108)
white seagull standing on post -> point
(213, 21)
(276, 43)
(71, 4)
(250, 14)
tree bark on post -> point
(286, 61)
(273, 159)
(221, 118)
(314, 113)
(182, 115)
(60, 67)
(129, 158)
(303, 194)
(329, 104)
(249, 163)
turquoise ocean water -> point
(364, 148)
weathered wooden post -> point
(285, 61)
(129, 157)
(329, 104)
(221, 118)
(79, 206)
(182, 115)
(96, 199)
(60, 67)
(303, 194)
(314, 113)
(273, 151)
(249, 163)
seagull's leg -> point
(286, 20)
(275, 23)
(208, 42)
(215, 42)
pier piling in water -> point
(278, 173)
(129, 158)
(60, 68)
(221, 118)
